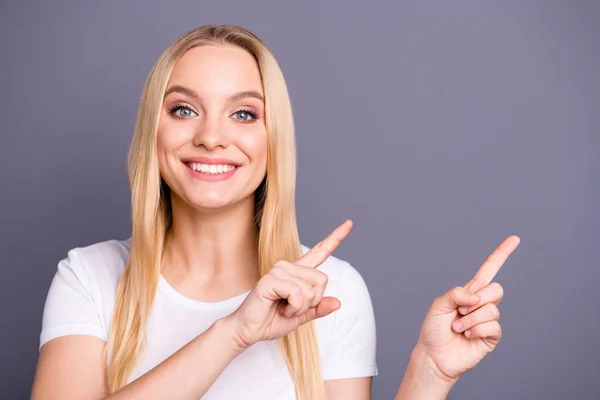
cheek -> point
(172, 135)
(255, 147)
(169, 138)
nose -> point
(211, 134)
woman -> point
(213, 296)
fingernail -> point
(462, 309)
(457, 326)
(468, 333)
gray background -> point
(438, 127)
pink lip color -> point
(211, 177)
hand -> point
(289, 295)
(461, 326)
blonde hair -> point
(151, 211)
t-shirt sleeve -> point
(72, 304)
(352, 353)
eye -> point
(182, 111)
(245, 115)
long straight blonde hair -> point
(151, 211)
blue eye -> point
(245, 115)
(182, 111)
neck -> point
(212, 248)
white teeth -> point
(211, 169)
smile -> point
(212, 169)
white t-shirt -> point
(81, 300)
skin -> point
(212, 246)
(211, 250)
(444, 351)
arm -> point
(72, 358)
(71, 367)
(348, 389)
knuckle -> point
(267, 280)
(491, 329)
(275, 269)
(498, 329)
(322, 278)
(297, 291)
(275, 274)
(494, 311)
(498, 289)
(281, 264)
(456, 291)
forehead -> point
(217, 70)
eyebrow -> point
(233, 98)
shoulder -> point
(347, 337)
(99, 265)
(344, 279)
(81, 296)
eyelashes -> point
(183, 111)
(181, 107)
(248, 112)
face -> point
(212, 140)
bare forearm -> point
(188, 373)
(420, 383)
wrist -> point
(226, 328)
(428, 370)
(423, 380)
(230, 329)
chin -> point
(210, 201)
(213, 197)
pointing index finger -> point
(492, 264)
(322, 250)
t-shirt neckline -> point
(173, 294)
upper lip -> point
(210, 161)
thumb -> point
(454, 298)
(326, 306)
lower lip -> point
(211, 177)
